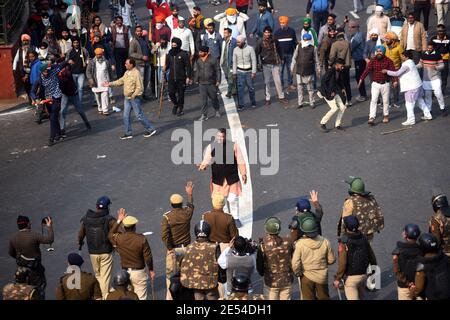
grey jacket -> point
(208, 71)
(244, 59)
(91, 71)
(135, 52)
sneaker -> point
(444, 112)
(217, 115)
(408, 123)
(150, 133)
(371, 121)
(361, 99)
(63, 133)
(283, 101)
(267, 103)
(228, 95)
(126, 136)
(424, 118)
(99, 112)
(323, 128)
(300, 106)
(180, 113)
(105, 113)
(349, 104)
(240, 108)
(385, 119)
(339, 128)
(51, 142)
(203, 118)
(396, 106)
(253, 107)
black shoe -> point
(126, 136)
(148, 134)
(174, 110)
(340, 128)
(180, 112)
(51, 142)
(63, 133)
(323, 128)
(228, 95)
(240, 108)
(300, 106)
(88, 126)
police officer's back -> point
(239, 289)
(223, 226)
(440, 222)
(69, 288)
(404, 258)
(432, 279)
(304, 210)
(121, 282)
(20, 289)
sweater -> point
(262, 21)
(208, 71)
(132, 84)
(340, 49)
(432, 64)
(244, 59)
(285, 40)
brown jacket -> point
(420, 36)
(27, 242)
(223, 227)
(125, 36)
(121, 294)
(340, 49)
(133, 248)
(176, 226)
(90, 289)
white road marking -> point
(354, 14)
(21, 110)
(237, 135)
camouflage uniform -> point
(273, 261)
(244, 296)
(19, 291)
(439, 226)
(200, 270)
(368, 212)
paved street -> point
(65, 180)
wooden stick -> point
(394, 131)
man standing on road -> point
(332, 89)
(226, 61)
(380, 83)
(179, 68)
(207, 75)
(139, 50)
(226, 161)
(267, 56)
(414, 37)
(357, 43)
(303, 210)
(355, 255)
(394, 52)
(95, 226)
(319, 11)
(379, 21)
(244, 71)
(263, 19)
(442, 45)
(80, 57)
(132, 91)
(175, 232)
(363, 206)
(286, 41)
(135, 253)
(24, 247)
(439, 224)
(341, 49)
(121, 282)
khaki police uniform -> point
(89, 288)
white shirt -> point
(187, 39)
(410, 39)
(100, 71)
(125, 12)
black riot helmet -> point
(202, 229)
(428, 243)
(121, 278)
(240, 283)
(439, 202)
(412, 231)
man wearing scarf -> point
(286, 41)
(233, 19)
(180, 74)
(159, 29)
(308, 29)
(268, 57)
(305, 63)
(65, 43)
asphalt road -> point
(63, 181)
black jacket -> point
(332, 82)
(208, 71)
(179, 65)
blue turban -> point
(382, 48)
(307, 36)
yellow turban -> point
(99, 51)
(391, 35)
(207, 21)
(283, 19)
(231, 11)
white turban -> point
(241, 38)
(374, 31)
(379, 8)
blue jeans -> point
(65, 100)
(244, 79)
(286, 64)
(79, 80)
(136, 105)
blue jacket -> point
(286, 41)
(214, 45)
(229, 61)
(35, 71)
(369, 48)
(357, 45)
(263, 21)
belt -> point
(132, 269)
(244, 69)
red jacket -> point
(241, 3)
(156, 34)
(159, 10)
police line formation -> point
(66, 44)
(219, 263)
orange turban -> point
(231, 11)
(25, 37)
(99, 51)
(283, 19)
(391, 35)
(159, 19)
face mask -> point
(159, 25)
(232, 19)
(46, 21)
(43, 52)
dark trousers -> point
(423, 7)
(208, 91)
(319, 19)
(53, 110)
(37, 279)
(313, 291)
(444, 76)
(231, 82)
(121, 55)
(360, 66)
(346, 79)
(176, 92)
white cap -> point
(379, 8)
(374, 31)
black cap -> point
(204, 49)
(22, 222)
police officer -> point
(355, 255)
(439, 224)
(77, 284)
(199, 267)
(175, 232)
(135, 253)
(239, 290)
(24, 247)
(121, 281)
(432, 280)
(95, 226)
(304, 210)
(404, 259)
(20, 289)
(273, 262)
(364, 206)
